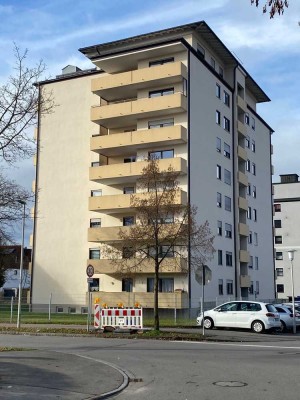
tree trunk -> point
(156, 316)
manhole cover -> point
(230, 384)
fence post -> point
(11, 308)
(50, 303)
(175, 309)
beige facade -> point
(156, 94)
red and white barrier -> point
(124, 318)
(97, 320)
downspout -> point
(189, 174)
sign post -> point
(90, 272)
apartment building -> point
(286, 232)
(180, 94)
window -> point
(227, 177)
(95, 164)
(247, 142)
(278, 239)
(226, 150)
(165, 285)
(250, 237)
(279, 255)
(161, 92)
(253, 123)
(277, 223)
(127, 221)
(163, 251)
(229, 286)
(95, 222)
(255, 239)
(257, 287)
(219, 200)
(213, 62)
(248, 165)
(218, 91)
(250, 264)
(219, 172)
(94, 254)
(184, 87)
(200, 50)
(161, 62)
(251, 288)
(226, 98)
(130, 159)
(220, 257)
(221, 72)
(226, 124)
(249, 213)
(249, 189)
(280, 288)
(254, 192)
(227, 203)
(128, 252)
(228, 259)
(247, 119)
(128, 190)
(127, 284)
(253, 146)
(254, 214)
(220, 286)
(228, 231)
(279, 272)
(95, 193)
(218, 117)
(277, 207)
(219, 228)
(158, 155)
(161, 123)
(253, 169)
(94, 285)
(218, 144)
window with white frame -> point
(226, 124)
(254, 192)
(249, 189)
(279, 255)
(227, 177)
(213, 62)
(253, 146)
(95, 193)
(248, 165)
(95, 222)
(253, 123)
(218, 91)
(227, 150)
(228, 258)
(247, 118)
(250, 263)
(250, 237)
(161, 92)
(255, 238)
(249, 213)
(253, 168)
(221, 72)
(254, 214)
(218, 117)
(229, 286)
(227, 203)
(220, 286)
(94, 254)
(218, 145)
(226, 98)
(228, 231)
(219, 200)
(279, 272)
(219, 230)
(161, 123)
(220, 257)
(219, 172)
(200, 50)
(256, 263)
(247, 142)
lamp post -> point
(21, 263)
(291, 258)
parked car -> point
(286, 316)
(242, 314)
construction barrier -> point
(97, 320)
(123, 318)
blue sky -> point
(268, 49)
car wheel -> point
(257, 326)
(208, 323)
(282, 326)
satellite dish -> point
(199, 274)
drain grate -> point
(230, 384)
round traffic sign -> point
(90, 271)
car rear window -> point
(271, 308)
(280, 309)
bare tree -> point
(273, 6)
(165, 227)
(20, 101)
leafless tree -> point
(165, 228)
(20, 101)
(273, 6)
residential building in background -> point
(287, 234)
(178, 94)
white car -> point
(242, 314)
(286, 316)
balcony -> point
(243, 203)
(243, 229)
(127, 112)
(242, 153)
(122, 202)
(115, 144)
(245, 281)
(241, 103)
(241, 128)
(244, 256)
(242, 178)
(125, 84)
(177, 299)
(116, 173)
(173, 265)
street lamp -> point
(21, 263)
(291, 258)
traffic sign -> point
(90, 270)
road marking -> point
(240, 345)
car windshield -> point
(271, 308)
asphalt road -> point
(267, 368)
